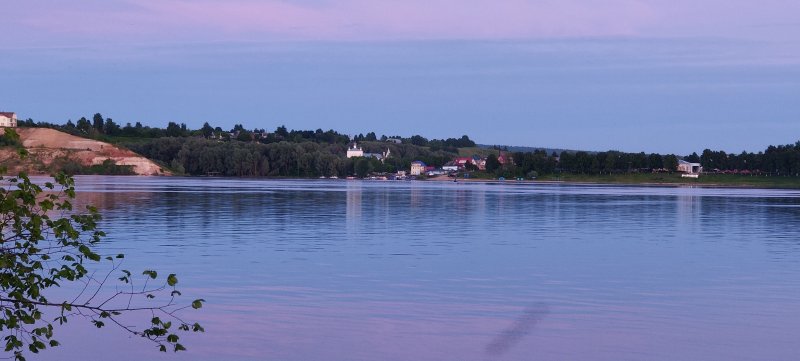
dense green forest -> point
(312, 153)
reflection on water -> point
(348, 270)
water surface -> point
(350, 270)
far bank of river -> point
(705, 180)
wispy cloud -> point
(349, 20)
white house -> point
(689, 170)
(450, 167)
(8, 119)
(355, 151)
(417, 167)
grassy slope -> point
(468, 152)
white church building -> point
(355, 151)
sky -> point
(673, 76)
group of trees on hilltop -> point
(418, 140)
(99, 126)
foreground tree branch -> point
(44, 244)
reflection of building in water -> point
(416, 197)
(688, 209)
(354, 193)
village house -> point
(479, 162)
(503, 158)
(417, 167)
(450, 167)
(8, 119)
(689, 170)
(461, 162)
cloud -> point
(57, 22)
(327, 20)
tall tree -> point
(671, 162)
(83, 125)
(207, 130)
(97, 122)
(492, 164)
(655, 161)
(173, 130)
(111, 128)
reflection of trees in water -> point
(772, 221)
(221, 217)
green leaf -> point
(172, 279)
(198, 303)
(152, 274)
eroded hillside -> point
(50, 150)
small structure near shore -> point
(417, 167)
(689, 170)
(8, 119)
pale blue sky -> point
(631, 75)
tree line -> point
(199, 156)
(103, 128)
(306, 153)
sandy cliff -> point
(47, 146)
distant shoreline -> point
(706, 181)
(672, 180)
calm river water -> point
(349, 270)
